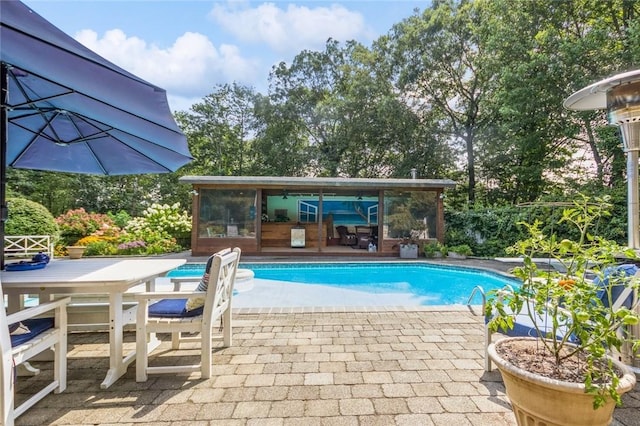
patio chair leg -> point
(205, 360)
(60, 370)
(142, 343)
(487, 342)
(175, 340)
(226, 324)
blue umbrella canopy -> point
(65, 108)
(68, 109)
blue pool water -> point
(357, 284)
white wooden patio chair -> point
(39, 334)
(171, 314)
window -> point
(410, 214)
(307, 212)
(227, 213)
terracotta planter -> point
(75, 252)
(538, 400)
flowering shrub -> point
(163, 218)
(157, 231)
(153, 240)
(132, 247)
(59, 250)
(163, 246)
(101, 248)
(94, 239)
(161, 226)
(76, 224)
(98, 245)
(107, 230)
(170, 219)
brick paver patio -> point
(385, 367)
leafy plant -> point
(462, 249)
(578, 303)
(98, 245)
(100, 248)
(431, 249)
(121, 218)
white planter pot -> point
(538, 400)
(434, 255)
(456, 256)
(409, 251)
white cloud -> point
(193, 65)
(293, 29)
(188, 70)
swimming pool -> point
(358, 284)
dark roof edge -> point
(317, 182)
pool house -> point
(266, 215)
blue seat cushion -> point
(173, 308)
(36, 327)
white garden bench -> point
(27, 245)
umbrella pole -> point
(4, 97)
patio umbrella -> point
(65, 108)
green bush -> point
(121, 219)
(489, 230)
(101, 248)
(27, 217)
(462, 249)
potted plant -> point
(459, 252)
(572, 376)
(409, 248)
(75, 252)
(433, 249)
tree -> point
(220, 130)
(554, 49)
(342, 101)
(279, 147)
(440, 65)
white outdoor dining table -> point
(91, 276)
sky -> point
(188, 47)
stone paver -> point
(386, 367)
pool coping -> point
(474, 309)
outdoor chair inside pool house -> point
(196, 313)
